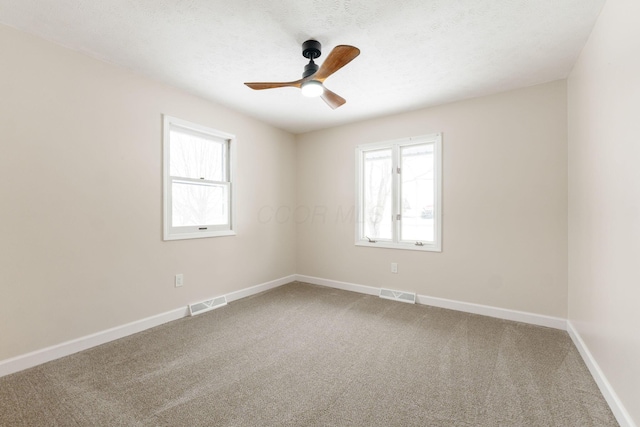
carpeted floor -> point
(303, 355)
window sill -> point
(186, 236)
(404, 246)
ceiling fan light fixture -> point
(312, 88)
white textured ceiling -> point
(414, 53)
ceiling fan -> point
(313, 77)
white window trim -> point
(171, 233)
(436, 245)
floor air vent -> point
(208, 305)
(398, 295)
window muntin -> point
(198, 179)
(399, 194)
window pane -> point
(377, 194)
(199, 204)
(418, 195)
(194, 155)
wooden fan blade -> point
(267, 85)
(339, 57)
(332, 99)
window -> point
(399, 194)
(198, 181)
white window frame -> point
(395, 242)
(196, 232)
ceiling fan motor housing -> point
(311, 49)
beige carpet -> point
(302, 355)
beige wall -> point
(81, 199)
(604, 198)
(504, 203)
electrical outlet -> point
(394, 267)
(179, 280)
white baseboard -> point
(485, 310)
(361, 289)
(500, 313)
(619, 411)
(38, 357)
(243, 293)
